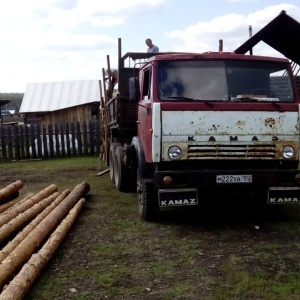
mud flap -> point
(282, 195)
(178, 197)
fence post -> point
(22, 144)
(3, 144)
(9, 143)
(32, 142)
(79, 139)
(51, 148)
(56, 140)
(85, 141)
(16, 141)
(74, 146)
(91, 137)
(45, 143)
(38, 140)
(98, 137)
(26, 138)
(68, 139)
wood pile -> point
(31, 230)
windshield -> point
(224, 81)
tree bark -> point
(9, 190)
(22, 234)
(19, 208)
(9, 204)
(23, 218)
(14, 261)
(21, 283)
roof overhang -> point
(282, 34)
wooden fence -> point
(24, 142)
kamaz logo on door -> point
(180, 197)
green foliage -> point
(15, 100)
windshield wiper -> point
(274, 101)
(181, 98)
(255, 99)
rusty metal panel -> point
(229, 135)
(226, 126)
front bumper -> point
(208, 178)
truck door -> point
(145, 113)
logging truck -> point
(181, 126)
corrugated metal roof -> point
(52, 96)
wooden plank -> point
(102, 172)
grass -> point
(111, 254)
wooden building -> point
(61, 102)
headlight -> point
(174, 152)
(288, 152)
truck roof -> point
(215, 55)
(197, 56)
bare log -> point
(14, 261)
(9, 190)
(21, 235)
(9, 204)
(102, 173)
(23, 218)
(21, 283)
(13, 211)
(12, 196)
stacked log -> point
(10, 203)
(11, 191)
(21, 235)
(16, 209)
(45, 218)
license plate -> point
(180, 197)
(281, 195)
(234, 179)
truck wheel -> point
(147, 201)
(121, 172)
(112, 159)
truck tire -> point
(121, 172)
(112, 159)
(147, 201)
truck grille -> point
(231, 151)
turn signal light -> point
(297, 178)
(167, 180)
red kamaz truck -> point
(181, 125)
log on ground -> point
(14, 261)
(22, 234)
(25, 217)
(22, 282)
(10, 190)
(16, 209)
(10, 203)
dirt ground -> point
(111, 254)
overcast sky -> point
(62, 40)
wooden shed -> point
(61, 102)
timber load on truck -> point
(180, 127)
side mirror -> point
(134, 89)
